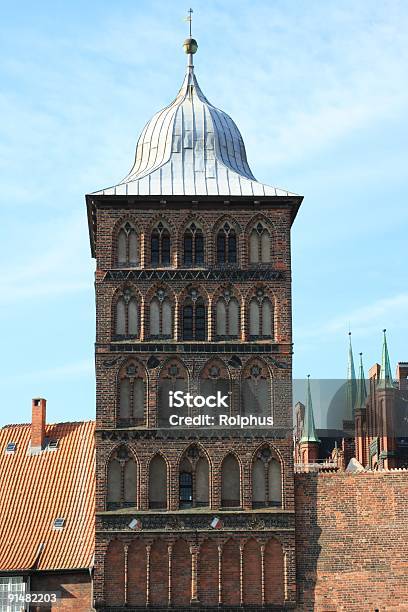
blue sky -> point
(319, 92)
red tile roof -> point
(37, 489)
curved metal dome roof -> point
(191, 148)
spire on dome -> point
(191, 147)
(361, 386)
(385, 381)
(309, 431)
(190, 44)
(351, 383)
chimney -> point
(38, 425)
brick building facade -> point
(193, 294)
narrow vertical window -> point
(226, 245)
(133, 256)
(121, 480)
(227, 316)
(260, 245)
(126, 315)
(161, 316)
(127, 246)
(131, 395)
(188, 248)
(221, 244)
(121, 317)
(122, 247)
(254, 318)
(261, 316)
(155, 247)
(165, 248)
(193, 246)
(160, 246)
(194, 317)
(133, 315)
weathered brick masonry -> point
(351, 541)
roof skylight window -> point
(59, 523)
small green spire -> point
(361, 386)
(351, 383)
(385, 381)
(309, 431)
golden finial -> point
(190, 45)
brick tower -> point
(195, 503)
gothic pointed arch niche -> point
(230, 482)
(161, 313)
(126, 314)
(131, 394)
(260, 244)
(173, 377)
(160, 245)
(226, 243)
(193, 245)
(121, 476)
(194, 315)
(194, 482)
(266, 479)
(227, 315)
(261, 315)
(127, 247)
(158, 494)
(256, 389)
(215, 378)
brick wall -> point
(75, 589)
(351, 541)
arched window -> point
(127, 246)
(127, 315)
(173, 377)
(122, 480)
(193, 253)
(230, 483)
(260, 244)
(160, 246)
(132, 394)
(158, 483)
(261, 315)
(226, 244)
(266, 480)
(193, 479)
(161, 316)
(227, 313)
(214, 378)
(194, 317)
(256, 390)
